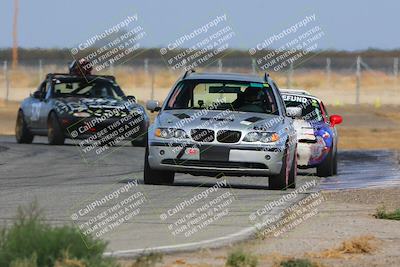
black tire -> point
(140, 141)
(55, 134)
(156, 177)
(293, 172)
(325, 169)
(335, 162)
(22, 133)
(280, 181)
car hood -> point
(304, 129)
(232, 120)
(95, 105)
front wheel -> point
(293, 172)
(156, 177)
(140, 141)
(22, 132)
(54, 131)
(280, 180)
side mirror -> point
(131, 98)
(37, 94)
(335, 119)
(294, 112)
(153, 105)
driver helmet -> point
(80, 67)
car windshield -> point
(223, 95)
(97, 88)
(311, 110)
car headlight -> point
(264, 137)
(81, 114)
(168, 133)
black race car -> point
(89, 107)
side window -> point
(47, 90)
(324, 111)
(42, 87)
(280, 99)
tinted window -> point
(311, 110)
(223, 95)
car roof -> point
(225, 76)
(299, 93)
(63, 76)
(294, 91)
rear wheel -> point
(54, 131)
(335, 162)
(22, 132)
(157, 177)
(280, 181)
(326, 168)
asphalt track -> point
(63, 182)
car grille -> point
(214, 164)
(202, 135)
(226, 136)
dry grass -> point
(357, 245)
(372, 138)
(163, 78)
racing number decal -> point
(35, 114)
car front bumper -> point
(241, 160)
(310, 154)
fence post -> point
(328, 71)
(40, 71)
(358, 81)
(219, 65)
(6, 78)
(146, 65)
(253, 65)
(289, 76)
(152, 86)
(396, 69)
(112, 69)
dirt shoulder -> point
(342, 216)
(368, 127)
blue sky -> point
(348, 25)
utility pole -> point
(15, 35)
(6, 78)
(396, 68)
(358, 81)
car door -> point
(45, 107)
(36, 103)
